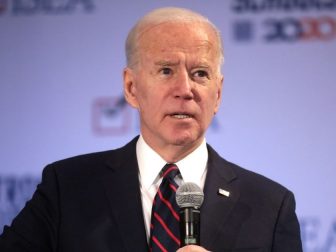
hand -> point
(192, 248)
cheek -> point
(142, 93)
(209, 108)
(150, 104)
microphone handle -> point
(190, 226)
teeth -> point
(178, 116)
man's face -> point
(176, 84)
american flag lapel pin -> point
(224, 192)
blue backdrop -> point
(61, 93)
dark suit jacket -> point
(92, 203)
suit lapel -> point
(217, 207)
(123, 194)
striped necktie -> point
(165, 232)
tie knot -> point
(169, 171)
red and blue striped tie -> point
(165, 232)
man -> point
(103, 201)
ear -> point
(130, 87)
(219, 93)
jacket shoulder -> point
(86, 164)
(248, 181)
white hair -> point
(167, 14)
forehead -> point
(192, 38)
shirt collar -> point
(150, 163)
(192, 167)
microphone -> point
(189, 198)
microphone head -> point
(189, 195)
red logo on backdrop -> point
(318, 28)
(111, 116)
(307, 28)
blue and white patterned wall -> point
(60, 93)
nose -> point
(183, 87)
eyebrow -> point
(203, 65)
(167, 63)
(175, 63)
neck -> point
(172, 153)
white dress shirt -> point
(193, 168)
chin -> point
(184, 139)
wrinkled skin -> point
(175, 85)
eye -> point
(200, 74)
(166, 71)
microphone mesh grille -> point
(189, 195)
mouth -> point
(181, 115)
